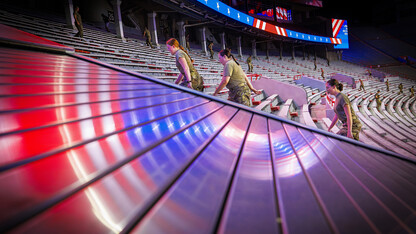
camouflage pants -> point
(197, 82)
(240, 94)
(212, 54)
(187, 46)
(149, 42)
(80, 29)
(356, 128)
(250, 67)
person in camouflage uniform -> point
(188, 76)
(250, 64)
(387, 85)
(235, 79)
(351, 126)
(400, 88)
(361, 85)
(78, 23)
(210, 45)
(378, 101)
(146, 33)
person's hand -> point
(349, 135)
(329, 129)
(190, 85)
(257, 91)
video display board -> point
(281, 13)
(340, 31)
(262, 25)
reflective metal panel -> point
(131, 190)
(355, 180)
(45, 117)
(194, 202)
(93, 157)
(295, 198)
(330, 195)
(253, 180)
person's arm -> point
(334, 121)
(179, 79)
(187, 76)
(347, 111)
(224, 82)
(251, 86)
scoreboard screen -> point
(265, 26)
(281, 13)
(340, 30)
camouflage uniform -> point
(210, 50)
(341, 101)
(400, 88)
(250, 65)
(361, 85)
(148, 38)
(196, 79)
(378, 101)
(238, 89)
(78, 24)
(387, 84)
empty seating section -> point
(373, 46)
(385, 42)
(360, 53)
(394, 123)
(269, 104)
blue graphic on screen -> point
(228, 11)
(343, 35)
(289, 15)
(307, 37)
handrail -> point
(257, 76)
